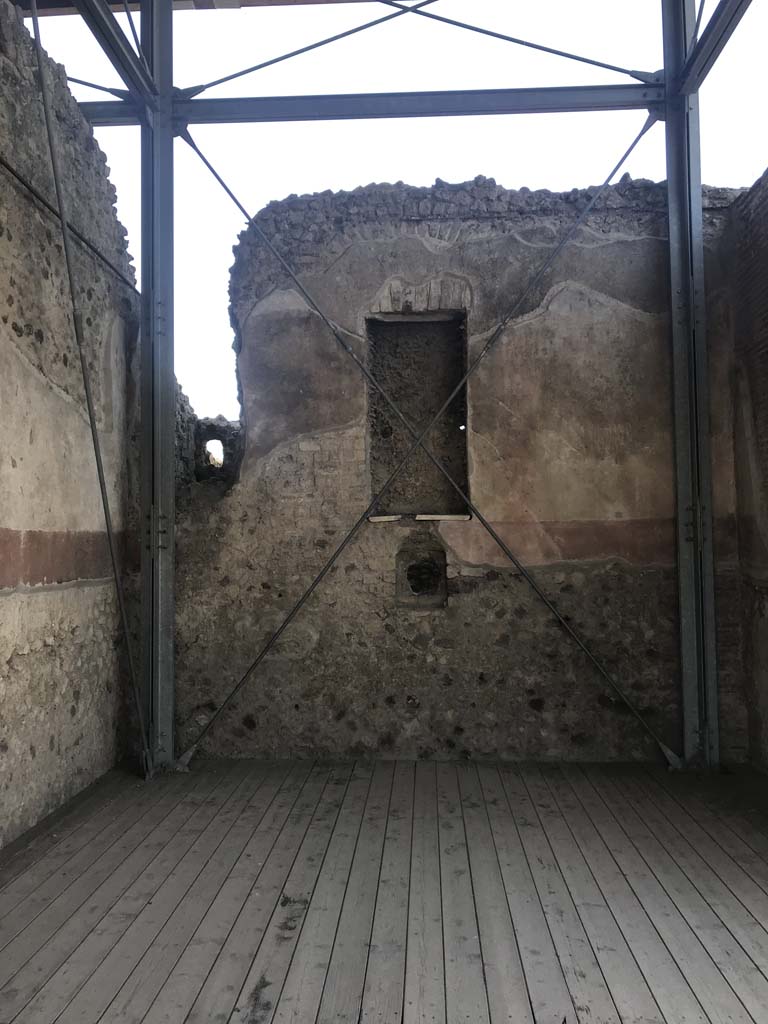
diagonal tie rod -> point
(195, 90)
(641, 76)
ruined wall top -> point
(311, 227)
(24, 146)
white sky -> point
(269, 161)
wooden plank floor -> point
(392, 893)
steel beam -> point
(158, 388)
(112, 113)
(99, 18)
(390, 104)
(691, 401)
(417, 104)
(702, 57)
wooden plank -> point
(739, 918)
(94, 997)
(188, 976)
(717, 998)
(345, 981)
(736, 966)
(738, 800)
(222, 986)
(266, 976)
(44, 841)
(146, 980)
(670, 988)
(303, 989)
(508, 998)
(583, 976)
(23, 899)
(466, 998)
(79, 966)
(52, 910)
(549, 994)
(142, 871)
(385, 975)
(722, 828)
(626, 984)
(424, 998)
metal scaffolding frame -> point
(163, 111)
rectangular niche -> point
(418, 360)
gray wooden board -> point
(385, 974)
(581, 969)
(303, 989)
(223, 984)
(739, 881)
(132, 814)
(707, 886)
(52, 910)
(118, 926)
(266, 976)
(738, 799)
(549, 994)
(733, 962)
(721, 827)
(54, 974)
(27, 862)
(508, 999)
(668, 983)
(213, 956)
(393, 893)
(217, 819)
(147, 979)
(345, 980)
(424, 997)
(717, 998)
(466, 998)
(623, 977)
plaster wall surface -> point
(61, 695)
(569, 443)
(749, 278)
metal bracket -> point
(649, 77)
(180, 125)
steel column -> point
(691, 398)
(158, 388)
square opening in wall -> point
(418, 360)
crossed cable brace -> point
(673, 759)
(417, 8)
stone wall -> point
(569, 445)
(61, 696)
(749, 264)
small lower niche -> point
(421, 574)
